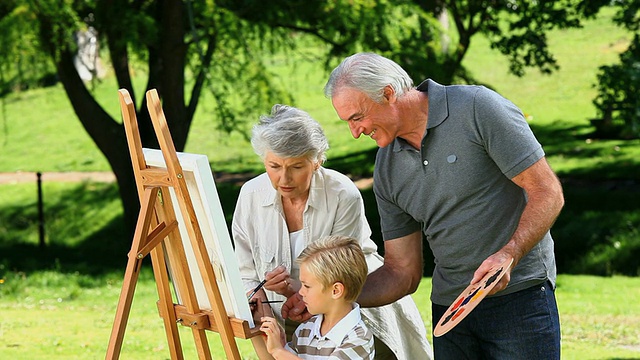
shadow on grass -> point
(83, 225)
(85, 230)
(604, 159)
(597, 232)
(96, 255)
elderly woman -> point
(296, 202)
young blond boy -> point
(332, 273)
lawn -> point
(69, 316)
(59, 302)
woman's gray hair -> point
(288, 133)
(369, 73)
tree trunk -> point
(108, 135)
(167, 60)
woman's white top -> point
(335, 207)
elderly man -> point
(459, 165)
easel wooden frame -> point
(157, 234)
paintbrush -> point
(265, 302)
(256, 289)
(259, 286)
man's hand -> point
(491, 262)
(295, 309)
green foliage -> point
(22, 64)
(57, 23)
(619, 83)
(617, 101)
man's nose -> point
(355, 129)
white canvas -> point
(206, 203)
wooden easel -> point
(157, 234)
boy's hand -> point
(295, 309)
(275, 334)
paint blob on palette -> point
(470, 298)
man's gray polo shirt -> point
(457, 189)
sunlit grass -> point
(72, 315)
(59, 302)
(49, 137)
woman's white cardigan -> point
(334, 207)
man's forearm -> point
(400, 274)
(544, 202)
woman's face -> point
(291, 177)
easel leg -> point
(165, 304)
(124, 307)
(131, 274)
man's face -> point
(365, 116)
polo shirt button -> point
(426, 162)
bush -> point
(617, 101)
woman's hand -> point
(279, 281)
(258, 309)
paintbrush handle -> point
(257, 289)
(265, 302)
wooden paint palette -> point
(470, 298)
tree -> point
(182, 43)
(212, 45)
(21, 65)
(410, 32)
(618, 84)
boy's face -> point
(317, 299)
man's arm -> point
(544, 202)
(400, 274)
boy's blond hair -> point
(334, 259)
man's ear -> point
(337, 290)
(389, 94)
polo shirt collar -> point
(317, 193)
(437, 114)
(437, 95)
(342, 328)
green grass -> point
(59, 302)
(41, 132)
(72, 315)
